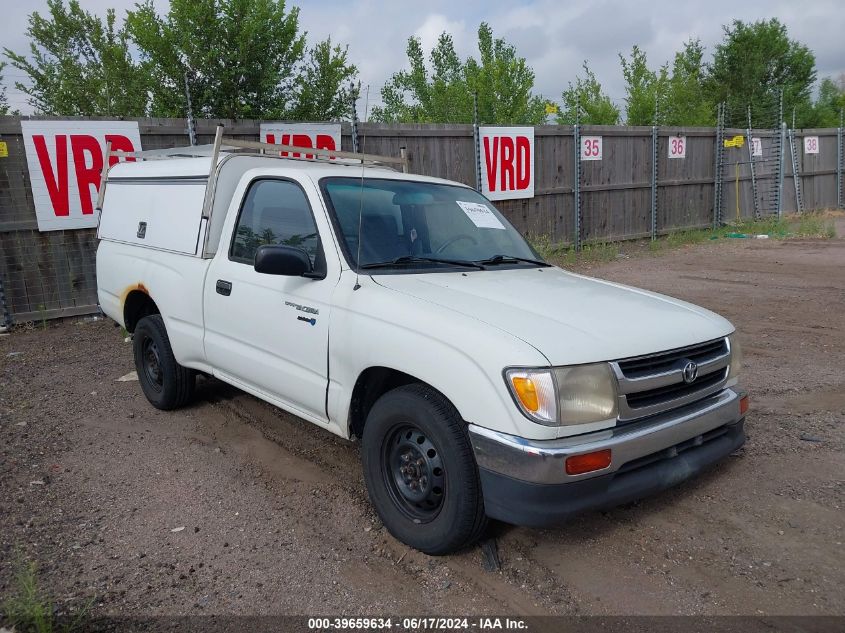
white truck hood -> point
(569, 318)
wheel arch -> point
(372, 383)
(137, 305)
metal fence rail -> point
(635, 191)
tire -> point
(165, 382)
(413, 435)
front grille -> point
(652, 384)
(652, 397)
(665, 361)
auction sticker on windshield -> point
(481, 215)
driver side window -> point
(274, 212)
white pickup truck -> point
(407, 312)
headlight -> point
(534, 392)
(736, 360)
(586, 393)
(562, 396)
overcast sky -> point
(555, 36)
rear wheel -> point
(165, 382)
(420, 471)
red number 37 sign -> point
(65, 160)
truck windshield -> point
(408, 225)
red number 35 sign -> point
(591, 148)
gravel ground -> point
(231, 506)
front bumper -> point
(525, 481)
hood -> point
(569, 318)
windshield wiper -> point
(414, 259)
(508, 259)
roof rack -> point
(228, 144)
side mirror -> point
(289, 261)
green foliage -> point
(28, 608)
(753, 63)
(829, 103)
(685, 101)
(595, 106)
(502, 80)
(644, 88)
(324, 88)
(243, 59)
(240, 56)
(80, 65)
(813, 225)
(414, 96)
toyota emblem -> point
(690, 372)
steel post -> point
(476, 139)
(5, 317)
(718, 167)
(839, 160)
(577, 185)
(355, 146)
(780, 169)
(653, 182)
(748, 140)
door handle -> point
(224, 287)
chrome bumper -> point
(542, 461)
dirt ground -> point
(231, 506)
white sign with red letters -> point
(591, 148)
(316, 135)
(677, 147)
(507, 162)
(811, 144)
(65, 160)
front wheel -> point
(165, 382)
(420, 471)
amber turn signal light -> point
(588, 462)
(527, 393)
(743, 405)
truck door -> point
(269, 333)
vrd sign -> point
(65, 160)
(507, 162)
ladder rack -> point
(234, 145)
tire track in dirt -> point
(280, 443)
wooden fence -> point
(52, 274)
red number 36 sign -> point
(677, 147)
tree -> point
(596, 108)
(644, 88)
(80, 65)
(686, 102)
(829, 103)
(502, 80)
(324, 89)
(4, 101)
(240, 56)
(414, 96)
(750, 67)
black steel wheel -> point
(420, 470)
(166, 383)
(414, 473)
(152, 364)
